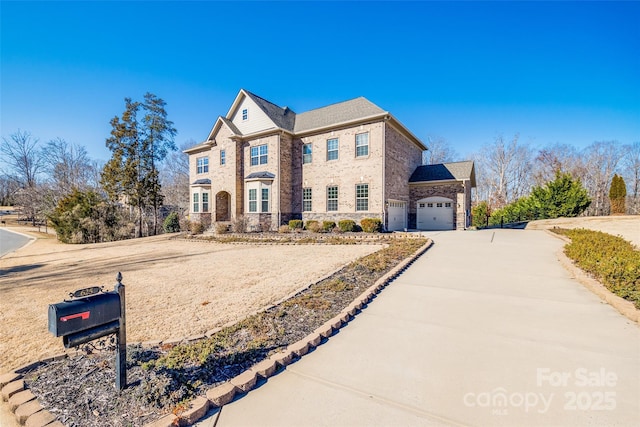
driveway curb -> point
(624, 307)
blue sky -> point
(464, 71)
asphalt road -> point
(11, 241)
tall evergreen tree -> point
(137, 146)
(617, 195)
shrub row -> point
(610, 259)
(368, 225)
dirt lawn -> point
(627, 226)
(174, 288)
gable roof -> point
(342, 113)
(284, 118)
(454, 171)
(347, 111)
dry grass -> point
(174, 288)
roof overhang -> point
(203, 146)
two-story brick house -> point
(349, 160)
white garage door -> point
(435, 213)
(397, 212)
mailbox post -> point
(121, 339)
(91, 315)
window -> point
(259, 155)
(438, 205)
(306, 199)
(422, 205)
(332, 198)
(332, 149)
(362, 197)
(306, 153)
(265, 199)
(245, 114)
(223, 157)
(253, 200)
(196, 203)
(258, 197)
(362, 144)
(447, 205)
(429, 205)
(202, 165)
(205, 202)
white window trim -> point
(337, 199)
(359, 146)
(362, 198)
(244, 114)
(337, 150)
(259, 186)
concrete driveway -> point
(485, 329)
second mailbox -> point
(70, 317)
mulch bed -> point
(80, 390)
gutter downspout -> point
(279, 179)
(384, 171)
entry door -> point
(435, 213)
(397, 215)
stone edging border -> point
(624, 307)
(28, 411)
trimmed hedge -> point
(312, 225)
(347, 225)
(610, 259)
(371, 225)
(328, 226)
(295, 224)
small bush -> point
(328, 226)
(284, 229)
(371, 225)
(196, 227)
(171, 223)
(239, 224)
(347, 225)
(611, 259)
(222, 228)
(312, 225)
(295, 224)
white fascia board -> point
(397, 124)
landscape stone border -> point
(624, 307)
(29, 412)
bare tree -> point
(68, 166)
(175, 178)
(601, 159)
(631, 173)
(21, 154)
(556, 158)
(504, 171)
(438, 151)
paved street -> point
(485, 329)
(11, 241)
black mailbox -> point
(70, 317)
(92, 315)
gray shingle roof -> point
(261, 175)
(204, 181)
(283, 117)
(229, 123)
(353, 109)
(458, 171)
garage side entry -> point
(440, 196)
